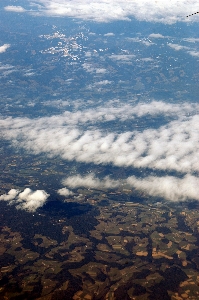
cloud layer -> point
(27, 200)
(79, 136)
(108, 10)
(73, 136)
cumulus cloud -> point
(12, 194)
(13, 8)
(27, 200)
(4, 48)
(111, 10)
(65, 192)
(168, 187)
(157, 36)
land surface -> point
(105, 249)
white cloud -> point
(177, 47)
(12, 194)
(104, 82)
(13, 8)
(168, 187)
(157, 36)
(109, 34)
(147, 43)
(194, 53)
(100, 71)
(110, 10)
(147, 59)
(4, 48)
(112, 110)
(65, 192)
(191, 40)
(88, 54)
(90, 181)
(122, 57)
(27, 200)
(27, 74)
(99, 84)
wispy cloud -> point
(122, 57)
(112, 110)
(145, 41)
(99, 84)
(90, 68)
(6, 69)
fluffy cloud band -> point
(110, 10)
(173, 147)
(79, 136)
(168, 187)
